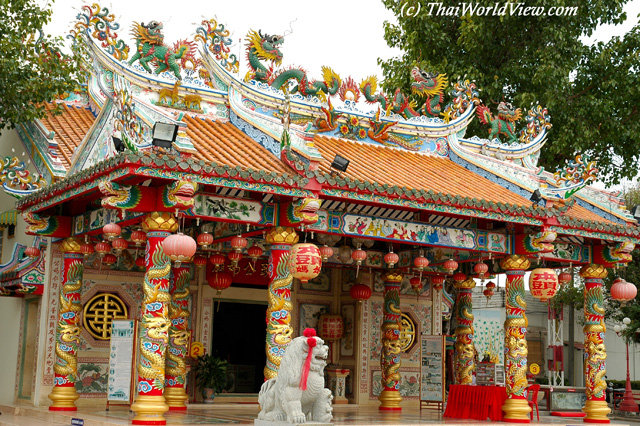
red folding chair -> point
(533, 401)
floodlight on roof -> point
(164, 134)
(340, 163)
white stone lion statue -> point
(297, 394)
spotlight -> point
(118, 144)
(536, 197)
(340, 163)
(164, 134)
(635, 212)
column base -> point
(64, 398)
(390, 400)
(597, 411)
(149, 410)
(516, 410)
(176, 398)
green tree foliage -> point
(591, 91)
(33, 68)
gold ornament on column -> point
(160, 221)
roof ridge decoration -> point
(16, 180)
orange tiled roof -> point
(71, 126)
(415, 171)
(225, 144)
(578, 212)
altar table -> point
(475, 402)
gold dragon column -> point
(464, 358)
(150, 403)
(594, 329)
(176, 373)
(516, 407)
(390, 328)
(64, 392)
(279, 297)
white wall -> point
(10, 308)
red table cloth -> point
(475, 402)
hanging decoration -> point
(416, 285)
(140, 262)
(32, 252)
(437, 282)
(138, 237)
(305, 261)
(450, 266)
(111, 230)
(103, 248)
(491, 285)
(219, 281)
(254, 252)
(217, 260)
(623, 291)
(199, 261)
(344, 254)
(543, 283)
(204, 240)
(119, 245)
(481, 269)
(235, 257)
(488, 294)
(421, 263)
(358, 256)
(326, 252)
(564, 278)
(331, 327)
(459, 277)
(360, 292)
(391, 258)
(109, 259)
(179, 247)
(238, 243)
(87, 249)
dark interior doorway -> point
(238, 335)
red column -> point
(64, 392)
(465, 350)
(154, 322)
(391, 326)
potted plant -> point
(211, 376)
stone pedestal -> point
(338, 384)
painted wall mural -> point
(489, 337)
(409, 384)
(233, 209)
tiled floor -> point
(243, 414)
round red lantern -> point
(325, 252)
(32, 252)
(564, 277)
(179, 247)
(235, 257)
(217, 259)
(437, 282)
(238, 243)
(305, 262)
(421, 262)
(103, 248)
(543, 283)
(459, 277)
(138, 237)
(481, 269)
(219, 281)
(623, 291)
(111, 230)
(87, 249)
(360, 292)
(487, 293)
(330, 327)
(119, 244)
(109, 259)
(199, 261)
(491, 285)
(358, 256)
(254, 252)
(450, 266)
(140, 262)
(416, 285)
(391, 259)
(204, 240)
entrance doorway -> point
(238, 335)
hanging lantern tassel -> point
(416, 285)
(359, 256)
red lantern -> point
(416, 285)
(235, 257)
(119, 244)
(450, 266)
(254, 252)
(491, 285)
(305, 262)
(32, 252)
(358, 256)
(543, 283)
(238, 243)
(205, 240)
(487, 293)
(326, 252)
(87, 249)
(199, 261)
(623, 291)
(437, 282)
(330, 327)
(103, 248)
(138, 237)
(179, 247)
(564, 277)
(109, 259)
(360, 292)
(219, 281)
(111, 230)
(421, 262)
(140, 262)
(391, 259)
(459, 277)
(481, 269)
